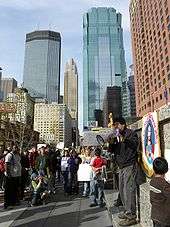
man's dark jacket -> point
(125, 152)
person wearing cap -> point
(124, 147)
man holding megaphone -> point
(123, 144)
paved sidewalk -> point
(62, 211)
(8, 216)
(110, 196)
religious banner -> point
(150, 141)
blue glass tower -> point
(103, 58)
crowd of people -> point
(33, 170)
(41, 169)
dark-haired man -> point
(124, 147)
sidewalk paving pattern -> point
(72, 211)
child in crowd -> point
(160, 194)
(97, 181)
(40, 188)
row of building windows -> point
(154, 77)
(156, 100)
(150, 30)
(149, 18)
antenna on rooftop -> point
(50, 27)
(38, 26)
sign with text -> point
(89, 137)
(84, 172)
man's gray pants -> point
(127, 189)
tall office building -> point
(24, 105)
(8, 85)
(71, 88)
(125, 100)
(103, 58)
(112, 104)
(42, 64)
(131, 89)
(150, 27)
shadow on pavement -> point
(40, 209)
(71, 219)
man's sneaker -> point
(122, 215)
(93, 205)
(128, 222)
(125, 215)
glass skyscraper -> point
(42, 64)
(103, 58)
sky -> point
(18, 17)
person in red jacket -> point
(97, 179)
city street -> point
(72, 211)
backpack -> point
(2, 165)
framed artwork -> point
(150, 141)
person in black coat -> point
(24, 172)
(124, 147)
